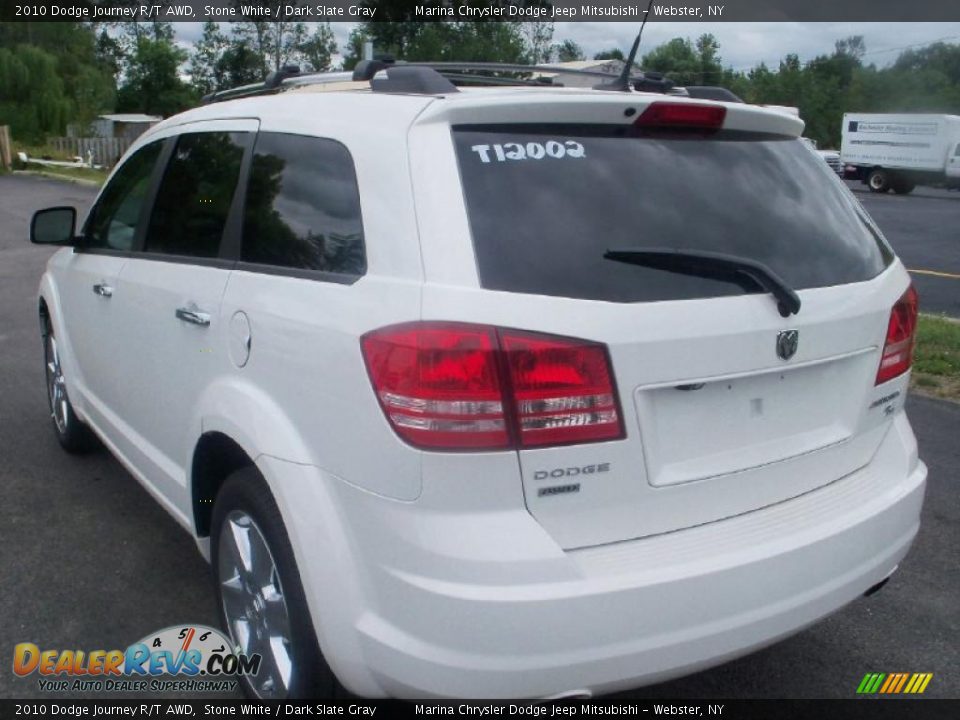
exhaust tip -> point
(877, 588)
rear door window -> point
(195, 195)
(303, 206)
(545, 202)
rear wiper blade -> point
(711, 264)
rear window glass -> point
(303, 206)
(545, 202)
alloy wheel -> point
(254, 605)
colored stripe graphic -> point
(870, 683)
(894, 683)
(903, 680)
(892, 679)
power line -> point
(907, 47)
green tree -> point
(277, 42)
(83, 83)
(32, 98)
(152, 84)
(317, 49)
(397, 32)
(611, 54)
(568, 51)
(537, 36)
(207, 53)
(686, 62)
(238, 65)
(353, 52)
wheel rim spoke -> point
(56, 391)
(280, 649)
(276, 614)
(261, 564)
(254, 604)
(240, 535)
(243, 635)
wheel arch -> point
(215, 457)
(236, 424)
(239, 421)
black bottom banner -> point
(865, 709)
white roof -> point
(131, 117)
(348, 109)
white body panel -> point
(779, 490)
(542, 621)
(904, 141)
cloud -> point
(745, 45)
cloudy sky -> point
(742, 45)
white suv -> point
(495, 392)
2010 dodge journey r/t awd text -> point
(493, 392)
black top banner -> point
(484, 10)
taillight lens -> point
(901, 331)
(562, 389)
(455, 386)
(682, 115)
(439, 384)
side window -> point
(113, 221)
(956, 150)
(195, 194)
(303, 206)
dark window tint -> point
(546, 202)
(113, 222)
(194, 198)
(303, 206)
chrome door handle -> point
(103, 290)
(193, 315)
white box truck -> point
(899, 151)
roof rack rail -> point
(276, 78)
(462, 71)
(436, 78)
(287, 77)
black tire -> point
(903, 187)
(74, 436)
(245, 494)
(878, 181)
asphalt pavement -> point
(89, 560)
(923, 229)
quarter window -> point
(114, 220)
(303, 206)
(195, 195)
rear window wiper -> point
(711, 264)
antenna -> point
(623, 81)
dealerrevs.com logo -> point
(199, 657)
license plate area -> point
(701, 429)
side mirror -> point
(53, 226)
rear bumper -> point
(434, 621)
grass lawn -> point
(48, 152)
(71, 173)
(936, 360)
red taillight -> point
(901, 330)
(685, 115)
(562, 389)
(453, 386)
(439, 384)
